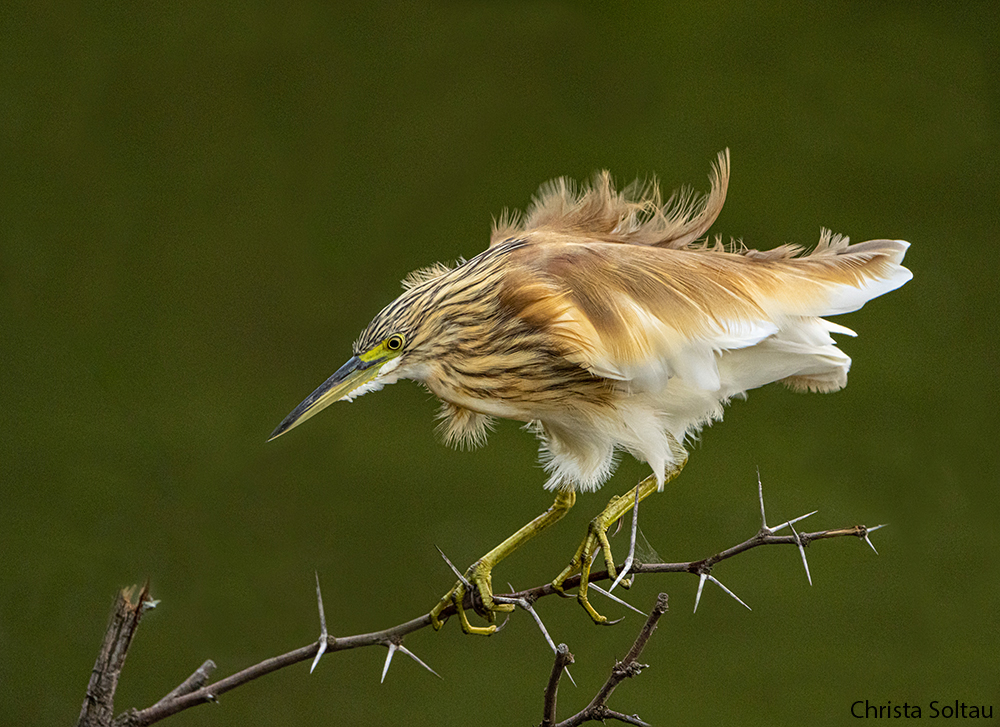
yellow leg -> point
(479, 575)
(597, 536)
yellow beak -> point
(349, 378)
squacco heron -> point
(608, 322)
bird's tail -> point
(859, 272)
(835, 278)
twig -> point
(99, 703)
(197, 680)
(563, 659)
(210, 692)
(628, 667)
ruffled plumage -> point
(610, 323)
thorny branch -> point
(98, 704)
(598, 709)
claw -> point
(478, 581)
(597, 539)
(581, 561)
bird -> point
(608, 322)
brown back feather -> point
(592, 294)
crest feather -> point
(422, 275)
(635, 216)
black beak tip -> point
(303, 410)
(280, 429)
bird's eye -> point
(394, 342)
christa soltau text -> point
(863, 709)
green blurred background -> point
(200, 208)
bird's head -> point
(445, 315)
(387, 350)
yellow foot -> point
(597, 538)
(478, 578)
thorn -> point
(323, 634)
(526, 605)
(869, 541)
(802, 551)
(416, 659)
(566, 672)
(615, 598)
(319, 601)
(701, 585)
(149, 604)
(319, 653)
(719, 584)
(760, 494)
(454, 569)
(388, 660)
(523, 603)
(593, 556)
(791, 522)
(627, 565)
(869, 531)
(802, 517)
